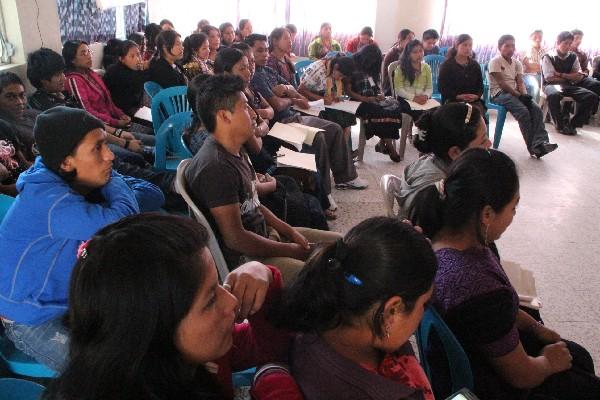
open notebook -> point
(294, 133)
(291, 158)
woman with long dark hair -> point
(380, 117)
(151, 31)
(125, 79)
(164, 67)
(460, 77)
(196, 53)
(412, 78)
(149, 319)
(354, 306)
(393, 54)
(324, 43)
(214, 40)
(512, 355)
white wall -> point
(395, 15)
(21, 30)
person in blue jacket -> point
(69, 193)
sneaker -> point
(356, 183)
(332, 204)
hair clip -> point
(353, 279)
(469, 112)
(82, 250)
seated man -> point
(64, 198)
(508, 89)
(223, 184)
(331, 150)
(364, 38)
(562, 76)
(430, 39)
(583, 58)
(13, 110)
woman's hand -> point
(558, 357)
(127, 135)
(249, 283)
(420, 99)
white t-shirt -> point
(509, 72)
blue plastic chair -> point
(151, 88)
(501, 110)
(434, 61)
(5, 203)
(243, 378)
(444, 50)
(169, 146)
(21, 364)
(300, 67)
(168, 102)
(20, 389)
(458, 362)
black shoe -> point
(541, 150)
(567, 130)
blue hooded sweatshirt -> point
(42, 231)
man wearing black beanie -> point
(68, 194)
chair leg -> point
(362, 140)
(407, 123)
(500, 119)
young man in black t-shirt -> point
(222, 183)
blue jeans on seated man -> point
(530, 119)
(47, 343)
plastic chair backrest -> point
(301, 66)
(167, 102)
(458, 362)
(434, 61)
(20, 389)
(21, 364)
(5, 203)
(213, 244)
(391, 69)
(151, 88)
(169, 141)
(444, 50)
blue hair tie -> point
(353, 279)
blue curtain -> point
(135, 18)
(82, 20)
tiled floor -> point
(556, 233)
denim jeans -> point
(530, 119)
(47, 343)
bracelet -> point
(118, 133)
(126, 146)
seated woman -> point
(324, 79)
(512, 356)
(164, 68)
(139, 39)
(444, 134)
(195, 56)
(125, 79)
(381, 118)
(280, 47)
(227, 34)
(91, 94)
(323, 44)
(460, 77)
(151, 32)
(244, 30)
(393, 54)
(412, 79)
(172, 333)
(355, 305)
(214, 40)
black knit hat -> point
(59, 130)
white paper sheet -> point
(431, 103)
(290, 158)
(349, 106)
(315, 108)
(294, 133)
(144, 113)
(524, 284)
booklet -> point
(431, 103)
(315, 108)
(290, 158)
(294, 133)
(144, 113)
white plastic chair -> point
(407, 121)
(213, 244)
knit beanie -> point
(59, 130)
